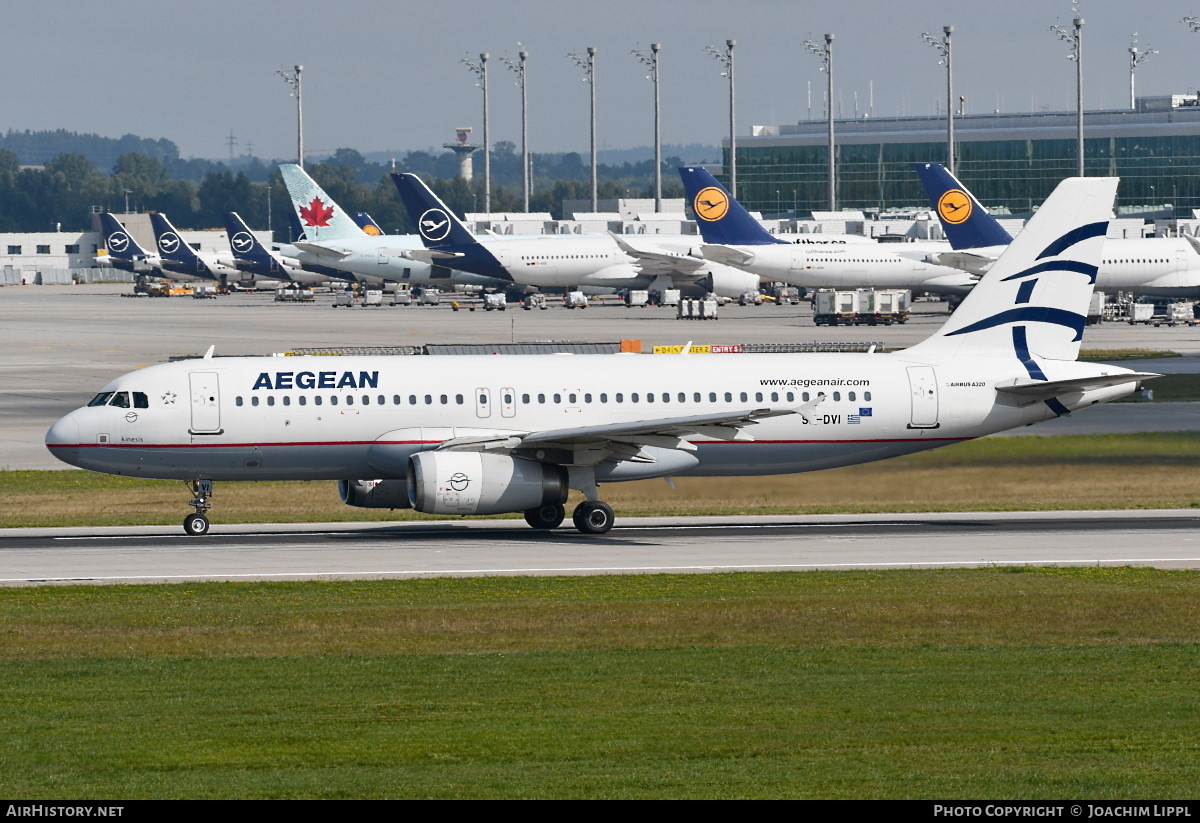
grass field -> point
(956, 684)
(1073, 472)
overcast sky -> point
(383, 75)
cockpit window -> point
(120, 400)
(140, 401)
(101, 399)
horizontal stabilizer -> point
(1042, 389)
(324, 251)
(430, 255)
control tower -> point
(464, 150)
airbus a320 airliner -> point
(487, 435)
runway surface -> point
(332, 551)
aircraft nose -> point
(63, 440)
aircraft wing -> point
(967, 261)
(429, 255)
(654, 259)
(588, 445)
(729, 255)
(1042, 389)
(322, 250)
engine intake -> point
(453, 482)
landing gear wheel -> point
(195, 524)
(549, 516)
(593, 517)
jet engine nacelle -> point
(729, 282)
(452, 482)
(375, 494)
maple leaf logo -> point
(316, 213)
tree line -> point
(64, 190)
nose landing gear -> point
(201, 489)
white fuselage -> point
(362, 417)
(850, 266)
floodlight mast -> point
(826, 55)
(651, 60)
(1075, 40)
(944, 49)
(480, 71)
(518, 67)
(1136, 58)
(293, 80)
(725, 58)
(589, 76)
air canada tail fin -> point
(436, 224)
(321, 219)
(966, 223)
(367, 224)
(1033, 302)
(722, 219)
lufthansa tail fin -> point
(367, 224)
(722, 219)
(242, 242)
(966, 223)
(1033, 301)
(436, 224)
(321, 219)
(118, 241)
(171, 245)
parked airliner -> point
(252, 257)
(1154, 266)
(565, 261)
(180, 258)
(335, 240)
(731, 235)
(478, 435)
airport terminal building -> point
(1010, 161)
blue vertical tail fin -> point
(436, 223)
(242, 242)
(172, 248)
(367, 224)
(118, 242)
(722, 219)
(966, 223)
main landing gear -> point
(201, 489)
(590, 516)
(593, 517)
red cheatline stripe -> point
(435, 442)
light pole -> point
(1075, 40)
(1136, 58)
(518, 67)
(826, 55)
(127, 193)
(480, 70)
(725, 58)
(589, 77)
(943, 48)
(293, 80)
(651, 60)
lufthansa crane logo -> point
(434, 225)
(459, 481)
(711, 204)
(954, 207)
(118, 242)
(242, 242)
(169, 243)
